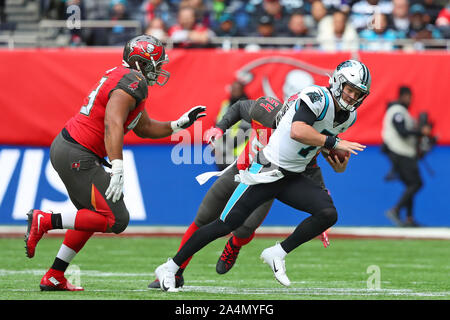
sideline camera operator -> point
(401, 140)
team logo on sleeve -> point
(314, 96)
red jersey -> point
(88, 126)
(259, 138)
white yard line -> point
(322, 291)
(306, 288)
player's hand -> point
(213, 134)
(336, 164)
(115, 188)
(349, 146)
(188, 118)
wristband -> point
(331, 142)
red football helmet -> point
(146, 54)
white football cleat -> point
(166, 277)
(277, 264)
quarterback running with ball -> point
(312, 121)
(263, 115)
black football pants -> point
(296, 190)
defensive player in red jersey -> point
(115, 106)
(262, 114)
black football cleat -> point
(179, 283)
(228, 257)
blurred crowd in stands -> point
(335, 24)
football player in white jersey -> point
(311, 120)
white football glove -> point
(115, 188)
(188, 118)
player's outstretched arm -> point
(154, 129)
(240, 110)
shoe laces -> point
(230, 253)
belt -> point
(66, 135)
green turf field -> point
(121, 268)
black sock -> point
(56, 221)
(310, 228)
(201, 238)
(60, 265)
(179, 272)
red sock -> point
(189, 232)
(90, 221)
(76, 240)
(239, 242)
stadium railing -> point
(50, 30)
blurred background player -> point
(400, 139)
(262, 115)
(312, 120)
(115, 106)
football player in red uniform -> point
(115, 106)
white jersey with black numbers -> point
(290, 154)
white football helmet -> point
(355, 74)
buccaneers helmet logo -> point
(145, 50)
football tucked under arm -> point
(339, 164)
(335, 152)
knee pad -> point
(121, 222)
(329, 216)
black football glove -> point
(188, 118)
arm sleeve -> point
(135, 85)
(399, 123)
(304, 114)
(239, 110)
